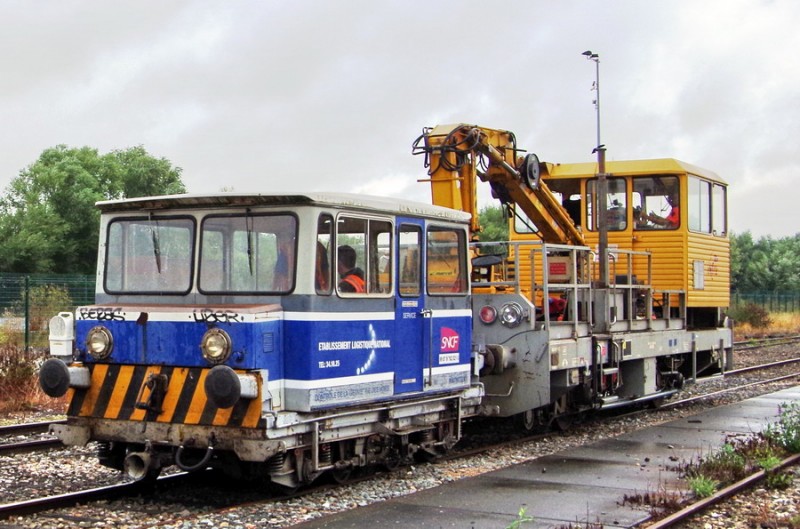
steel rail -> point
(745, 345)
(29, 446)
(29, 427)
(761, 366)
(69, 499)
(727, 390)
(720, 495)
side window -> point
(323, 260)
(409, 263)
(248, 253)
(363, 255)
(615, 209)
(446, 261)
(656, 202)
(719, 215)
(699, 205)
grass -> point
(763, 451)
(780, 323)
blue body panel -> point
(256, 344)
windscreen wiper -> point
(156, 244)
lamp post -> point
(602, 182)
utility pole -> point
(602, 180)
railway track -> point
(69, 499)
(23, 508)
(28, 445)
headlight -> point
(99, 343)
(511, 314)
(216, 346)
(488, 314)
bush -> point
(18, 382)
(752, 314)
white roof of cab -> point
(232, 200)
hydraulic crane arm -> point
(456, 155)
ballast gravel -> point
(58, 471)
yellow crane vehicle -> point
(564, 323)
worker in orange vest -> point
(352, 277)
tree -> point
(48, 219)
(766, 264)
(494, 224)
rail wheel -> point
(342, 475)
(532, 421)
(563, 422)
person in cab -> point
(351, 277)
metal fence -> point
(771, 301)
(27, 302)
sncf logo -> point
(449, 341)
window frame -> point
(591, 202)
(462, 276)
(371, 256)
(145, 220)
(230, 249)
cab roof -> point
(655, 166)
(233, 200)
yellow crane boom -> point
(457, 155)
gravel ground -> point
(73, 469)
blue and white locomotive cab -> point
(222, 322)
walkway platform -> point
(578, 486)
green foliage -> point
(48, 221)
(494, 223)
(766, 264)
(769, 461)
(786, 431)
(703, 486)
(522, 518)
(724, 465)
(779, 480)
(751, 313)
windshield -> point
(149, 255)
(248, 254)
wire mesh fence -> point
(27, 302)
(769, 301)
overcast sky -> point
(329, 95)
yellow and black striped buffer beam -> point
(125, 392)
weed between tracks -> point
(739, 458)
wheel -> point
(393, 459)
(342, 475)
(527, 419)
(563, 422)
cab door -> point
(412, 345)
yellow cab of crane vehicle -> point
(672, 211)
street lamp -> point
(596, 87)
(602, 182)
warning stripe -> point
(116, 389)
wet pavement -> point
(580, 486)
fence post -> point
(26, 286)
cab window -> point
(409, 263)
(656, 202)
(248, 253)
(615, 207)
(446, 261)
(363, 256)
